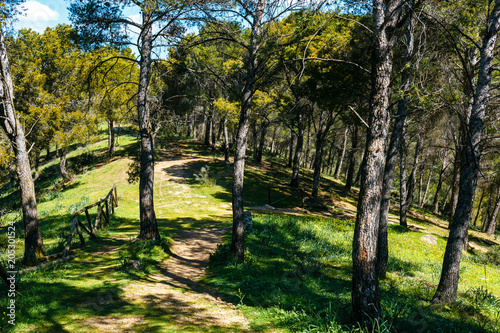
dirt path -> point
(174, 300)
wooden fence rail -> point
(105, 206)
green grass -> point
(297, 277)
(298, 271)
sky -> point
(41, 14)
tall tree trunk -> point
(111, 138)
(149, 226)
(448, 284)
(63, 168)
(338, 167)
(208, 127)
(365, 285)
(9, 122)
(403, 185)
(298, 153)
(226, 143)
(323, 128)
(351, 159)
(392, 153)
(489, 227)
(214, 125)
(238, 236)
(260, 149)
(454, 185)
(439, 186)
(290, 150)
(427, 185)
(412, 181)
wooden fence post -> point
(70, 237)
(91, 227)
(107, 210)
(98, 218)
(112, 203)
(82, 239)
(116, 196)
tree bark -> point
(63, 168)
(238, 236)
(448, 284)
(226, 143)
(454, 185)
(439, 186)
(338, 167)
(427, 185)
(365, 285)
(490, 226)
(111, 137)
(260, 149)
(290, 151)
(149, 226)
(298, 152)
(351, 159)
(9, 121)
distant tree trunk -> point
(338, 167)
(321, 133)
(410, 184)
(214, 125)
(365, 286)
(360, 168)
(454, 185)
(489, 227)
(290, 151)
(63, 164)
(9, 122)
(149, 226)
(226, 143)
(47, 154)
(478, 210)
(438, 187)
(208, 127)
(352, 159)
(238, 236)
(111, 138)
(403, 186)
(262, 138)
(448, 284)
(298, 153)
(427, 185)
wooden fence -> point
(105, 207)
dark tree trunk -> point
(403, 186)
(208, 127)
(338, 167)
(238, 236)
(47, 154)
(448, 284)
(392, 153)
(411, 183)
(111, 138)
(290, 151)
(438, 187)
(9, 122)
(298, 153)
(489, 227)
(454, 185)
(323, 128)
(213, 130)
(331, 152)
(149, 226)
(63, 167)
(226, 143)
(352, 159)
(478, 210)
(365, 285)
(260, 149)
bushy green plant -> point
(76, 206)
(147, 253)
(203, 177)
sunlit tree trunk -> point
(238, 236)
(9, 122)
(149, 227)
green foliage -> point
(74, 207)
(148, 255)
(203, 177)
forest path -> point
(174, 299)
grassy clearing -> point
(298, 270)
(297, 277)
